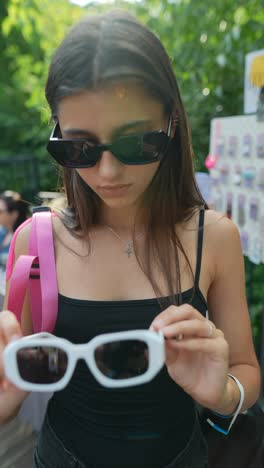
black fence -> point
(20, 173)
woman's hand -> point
(197, 354)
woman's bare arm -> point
(21, 248)
(228, 305)
(11, 397)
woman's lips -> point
(114, 191)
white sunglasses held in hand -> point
(42, 362)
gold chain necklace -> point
(128, 244)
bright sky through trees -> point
(85, 2)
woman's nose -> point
(108, 165)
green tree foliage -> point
(30, 31)
(207, 42)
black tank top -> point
(153, 421)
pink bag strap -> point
(37, 270)
(19, 283)
(11, 253)
(43, 295)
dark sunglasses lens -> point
(140, 149)
(128, 149)
(122, 359)
(42, 364)
(155, 144)
(73, 153)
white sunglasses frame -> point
(86, 351)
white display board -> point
(237, 179)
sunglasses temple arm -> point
(169, 126)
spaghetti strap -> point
(199, 248)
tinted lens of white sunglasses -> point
(122, 359)
(41, 364)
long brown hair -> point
(110, 48)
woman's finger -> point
(206, 345)
(171, 352)
(9, 326)
(188, 328)
(176, 314)
(9, 329)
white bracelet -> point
(235, 414)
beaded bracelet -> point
(233, 415)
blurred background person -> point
(13, 212)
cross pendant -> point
(129, 250)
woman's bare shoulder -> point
(218, 227)
(57, 224)
(222, 240)
(22, 239)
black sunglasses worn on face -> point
(132, 149)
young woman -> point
(135, 249)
